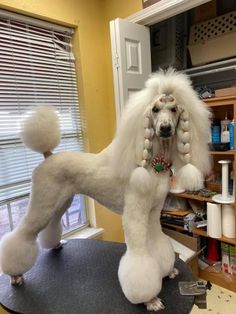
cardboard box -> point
(204, 12)
(147, 3)
(229, 91)
(225, 258)
(213, 39)
(232, 259)
(188, 241)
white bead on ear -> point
(184, 137)
(183, 148)
(146, 122)
(148, 135)
(184, 124)
(147, 144)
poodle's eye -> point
(173, 109)
(155, 109)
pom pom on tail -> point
(40, 130)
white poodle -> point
(164, 127)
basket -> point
(168, 43)
(213, 40)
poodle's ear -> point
(193, 160)
(130, 148)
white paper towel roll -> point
(228, 221)
(214, 229)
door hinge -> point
(116, 61)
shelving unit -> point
(226, 281)
(193, 197)
(176, 227)
(203, 233)
(219, 106)
(228, 152)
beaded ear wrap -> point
(189, 177)
(148, 135)
(140, 179)
(184, 137)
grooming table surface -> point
(81, 278)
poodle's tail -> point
(40, 130)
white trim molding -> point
(85, 233)
(91, 212)
(34, 21)
(162, 10)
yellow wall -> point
(93, 57)
(112, 9)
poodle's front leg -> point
(138, 271)
(160, 245)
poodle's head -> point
(165, 115)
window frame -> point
(89, 210)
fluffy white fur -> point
(25, 254)
(115, 179)
(140, 180)
(190, 177)
(41, 129)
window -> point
(37, 66)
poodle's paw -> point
(60, 245)
(17, 280)
(173, 273)
(17, 253)
(155, 304)
(140, 277)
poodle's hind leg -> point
(19, 248)
(50, 237)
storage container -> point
(213, 39)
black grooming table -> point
(81, 278)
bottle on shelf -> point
(225, 129)
(215, 132)
(231, 134)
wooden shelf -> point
(227, 152)
(203, 233)
(193, 197)
(177, 227)
(226, 281)
(220, 101)
(219, 106)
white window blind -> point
(37, 67)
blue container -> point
(215, 132)
(231, 135)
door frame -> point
(162, 10)
(157, 12)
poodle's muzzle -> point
(165, 131)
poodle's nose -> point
(165, 130)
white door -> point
(131, 59)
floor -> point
(219, 301)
